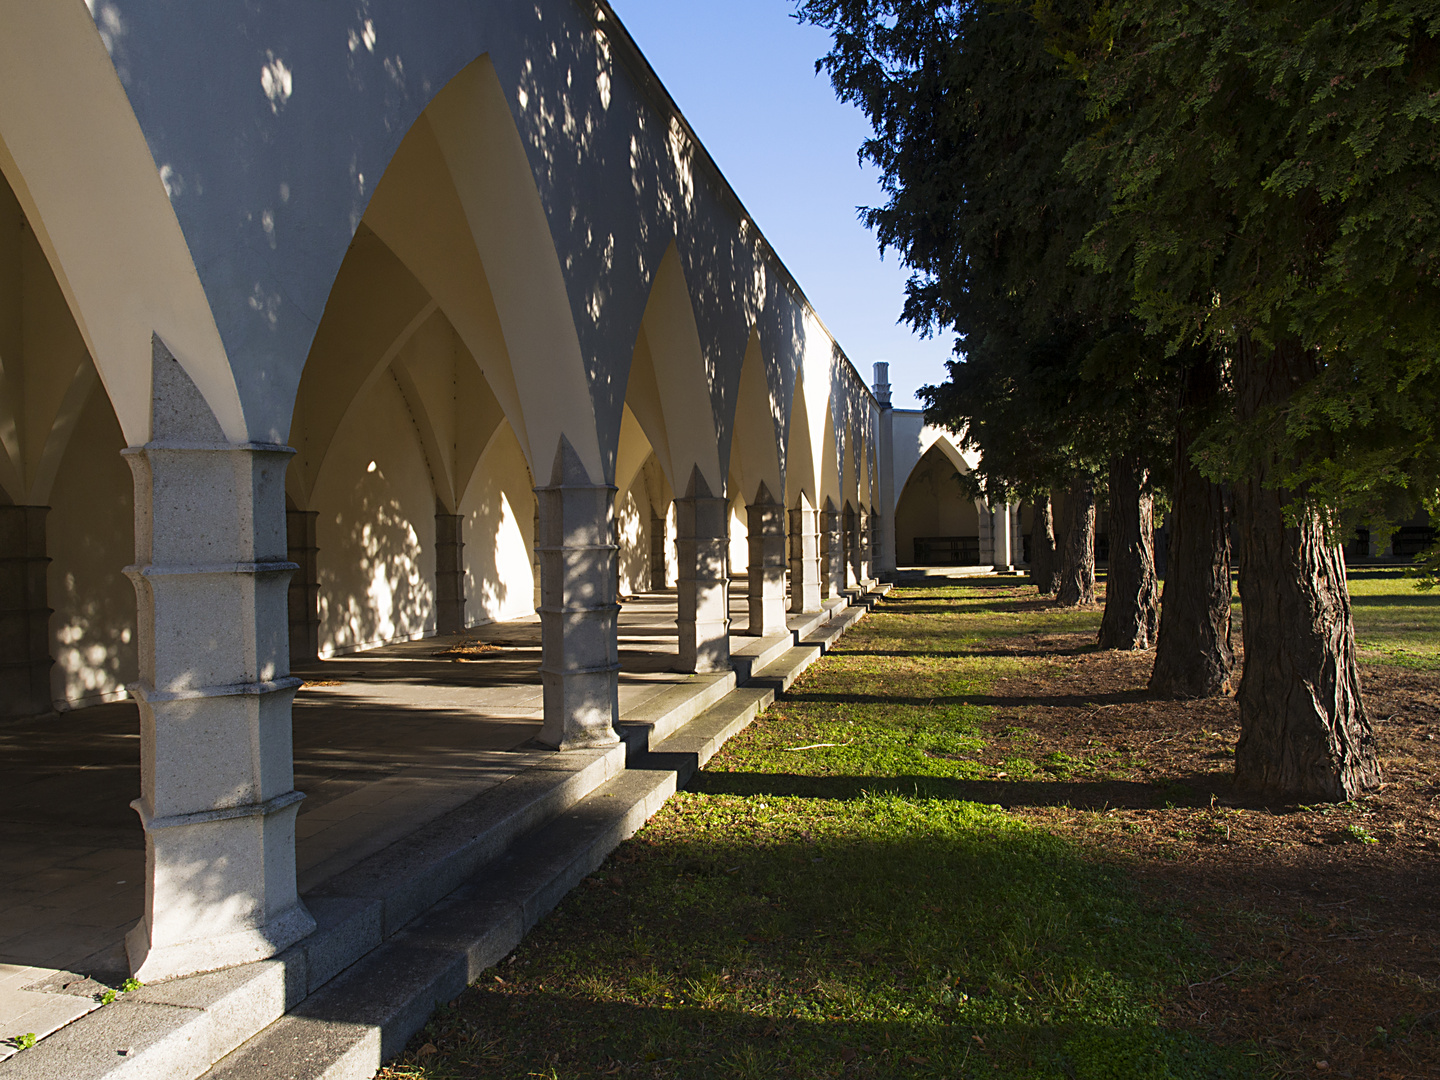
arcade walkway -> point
(384, 742)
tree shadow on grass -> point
(901, 941)
(1119, 697)
(533, 1032)
(1195, 789)
(965, 654)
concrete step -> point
(177, 1029)
(411, 926)
(802, 626)
(348, 1029)
(828, 634)
(780, 674)
(662, 714)
(757, 652)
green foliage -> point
(1099, 195)
(972, 117)
(1427, 568)
(24, 1042)
(1272, 169)
(1359, 834)
(844, 911)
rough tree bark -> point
(1132, 592)
(1077, 559)
(1304, 733)
(1042, 546)
(1193, 657)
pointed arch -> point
(943, 443)
(458, 206)
(801, 460)
(756, 448)
(99, 210)
(374, 309)
(830, 480)
(668, 388)
(935, 520)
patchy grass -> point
(1395, 623)
(838, 894)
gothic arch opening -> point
(937, 522)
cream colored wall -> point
(376, 528)
(91, 538)
(633, 533)
(932, 504)
(499, 513)
(81, 168)
(739, 536)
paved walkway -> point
(385, 741)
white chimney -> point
(882, 383)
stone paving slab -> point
(34, 1011)
(363, 808)
(365, 1017)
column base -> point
(704, 648)
(150, 963)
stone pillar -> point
(765, 519)
(702, 588)
(304, 593)
(863, 550)
(535, 553)
(25, 661)
(804, 557)
(657, 551)
(884, 490)
(852, 548)
(1001, 534)
(578, 609)
(449, 572)
(832, 551)
(217, 794)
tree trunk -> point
(1077, 560)
(1304, 734)
(1131, 592)
(1193, 658)
(1042, 546)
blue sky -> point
(743, 73)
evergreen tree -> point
(1275, 195)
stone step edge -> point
(351, 1027)
(170, 1028)
(307, 1047)
(352, 921)
(756, 653)
(780, 674)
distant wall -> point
(90, 535)
(932, 504)
(376, 528)
(499, 533)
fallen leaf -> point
(427, 1050)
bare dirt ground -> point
(1324, 917)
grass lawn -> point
(1395, 623)
(966, 844)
